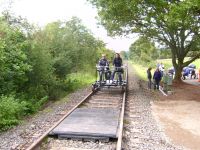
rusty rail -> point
(36, 143)
(121, 124)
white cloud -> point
(44, 11)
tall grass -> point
(79, 80)
(140, 70)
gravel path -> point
(32, 128)
(141, 132)
(79, 145)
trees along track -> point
(113, 97)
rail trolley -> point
(110, 78)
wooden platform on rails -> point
(89, 123)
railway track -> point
(101, 98)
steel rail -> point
(36, 143)
(121, 124)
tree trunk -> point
(178, 73)
(177, 61)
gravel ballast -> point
(141, 131)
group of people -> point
(104, 63)
(157, 76)
(188, 71)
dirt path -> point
(181, 121)
(179, 114)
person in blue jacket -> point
(157, 78)
(103, 61)
(104, 68)
(186, 72)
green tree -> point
(40, 78)
(173, 23)
(84, 43)
(143, 50)
(58, 50)
(124, 55)
(13, 59)
(164, 53)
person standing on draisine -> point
(104, 67)
(117, 63)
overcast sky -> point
(42, 12)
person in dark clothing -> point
(149, 76)
(117, 63)
(193, 74)
(103, 61)
(157, 78)
(185, 73)
(104, 68)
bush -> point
(32, 106)
(57, 89)
(10, 111)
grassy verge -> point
(140, 70)
(79, 80)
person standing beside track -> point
(149, 76)
(117, 63)
(104, 64)
(157, 78)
